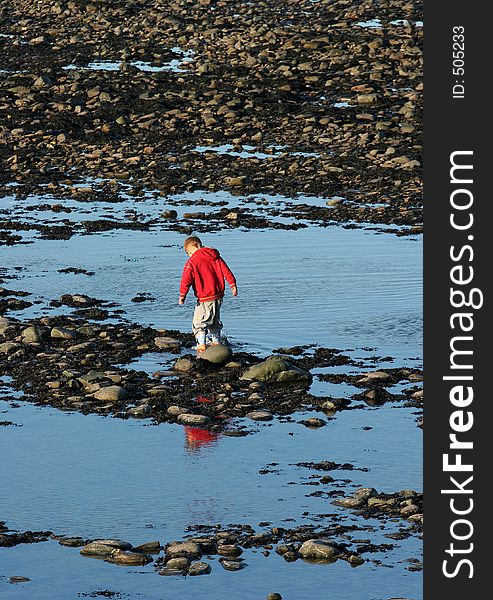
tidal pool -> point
(103, 477)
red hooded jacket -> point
(205, 271)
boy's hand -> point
(181, 300)
(234, 290)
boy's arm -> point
(186, 282)
(228, 275)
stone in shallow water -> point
(260, 415)
(349, 502)
(199, 568)
(139, 412)
(276, 369)
(319, 550)
(104, 547)
(229, 550)
(187, 419)
(120, 557)
(72, 542)
(148, 547)
(168, 343)
(233, 564)
(217, 354)
(187, 549)
(112, 393)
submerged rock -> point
(18, 579)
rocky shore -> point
(75, 364)
(119, 117)
(293, 98)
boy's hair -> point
(193, 241)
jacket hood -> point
(206, 254)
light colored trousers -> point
(207, 318)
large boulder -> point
(217, 354)
(278, 370)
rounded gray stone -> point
(193, 420)
(111, 393)
(260, 415)
(199, 568)
(318, 550)
(217, 354)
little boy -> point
(205, 271)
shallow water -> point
(330, 286)
(102, 477)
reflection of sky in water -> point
(331, 286)
(104, 477)
(108, 65)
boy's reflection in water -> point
(196, 437)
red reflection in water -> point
(197, 438)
